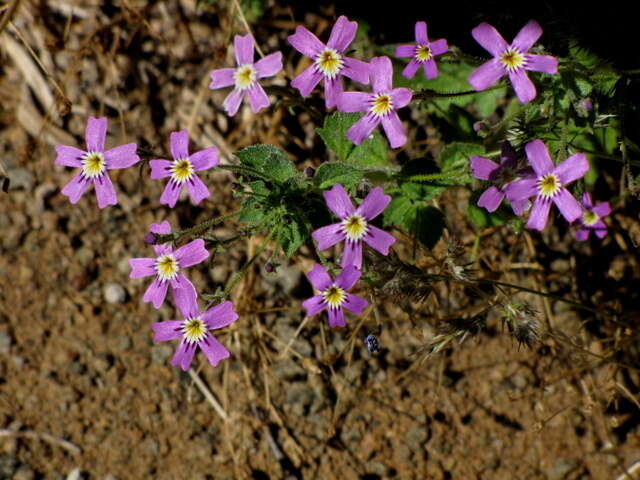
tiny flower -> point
(422, 53)
(380, 106)
(511, 60)
(502, 175)
(94, 163)
(183, 168)
(547, 184)
(354, 226)
(245, 77)
(333, 294)
(195, 329)
(167, 265)
(591, 218)
(329, 62)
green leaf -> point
(251, 212)
(423, 221)
(292, 235)
(269, 160)
(331, 173)
(456, 156)
(372, 152)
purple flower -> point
(329, 62)
(245, 76)
(547, 185)
(380, 106)
(511, 60)
(182, 170)
(195, 329)
(422, 53)
(167, 265)
(94, 163)
(333, 295)
(354, 226)
(502, 175)
(591, 218)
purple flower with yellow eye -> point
(380, 106)
(512, 60)
(167, 265)
(329, 62)
(183, 168)
(195, 328)
(95, 162)
(547, 185)
(591, 218)
(422, 53)
(245, 77)
(354, 226)
(333, 295)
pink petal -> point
(420, 30)
(186, 299)
(491, 199)
(161, 228)
(379, 240)
(338, 201)
(574, 167)
(220, 315)
(400, 97)
(539, 214)
(142, 267)
(356, 70)
(527, 36)
(184, 355)
(332, 90)
(519, 207)
(542, 63)
(353, 102)
(269, 65)
(105, 193)
(69, 156)
(586, 200)
(487, 36)
(319, 278)
(430, 68)
(602, 209)
(169, 330)
(336, 317)
(568, 205)
(352, 255)
(483, 168)
(348, 277)
(204, 159)
(438, 47)
(539, 157)
(222, 78)
(95, 134)
(362, 128)
(198, 191)
(411, 68)
(192, 253)
(521, 189)
(171, 193)
(257, 97)
(583, 234)
(396, 133)
(314, 305)
(342, 34)
(179, 143)
(123, 156)
(486, 75)
(405, 51)
(307, 80)
(355, 304)
(160, 169)
(381, 74)
(232, 102)
(243, 46)
(213, 349)
(306, 42)
(522, 84)
(600, 229)
(373, 204)
(76, 188)
(328, 236)
(156, 293)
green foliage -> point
(482, 218)
(455, 157)
(268, 159)
(331, 173)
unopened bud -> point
(310, 172)
(150, 239)
(269, 267)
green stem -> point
(432, 176)
(428, 94)
(195, 229)
(247, 171)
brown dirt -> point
(76, 368)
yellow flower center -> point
(381, 105)
(334, 296)
(589, 217)
(549, 185)
(93, 164)
(167, 267)
(355, 227)
(194, 329)
(329, 62)
(423, 53)
(244, 76)
(181, 170)
(512, 59)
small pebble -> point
(114, 293)
(5, 342)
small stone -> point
(5, 342)
(24, 473)
(160, 353)
(21, 178)
(114, 293)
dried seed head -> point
(522, 322)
